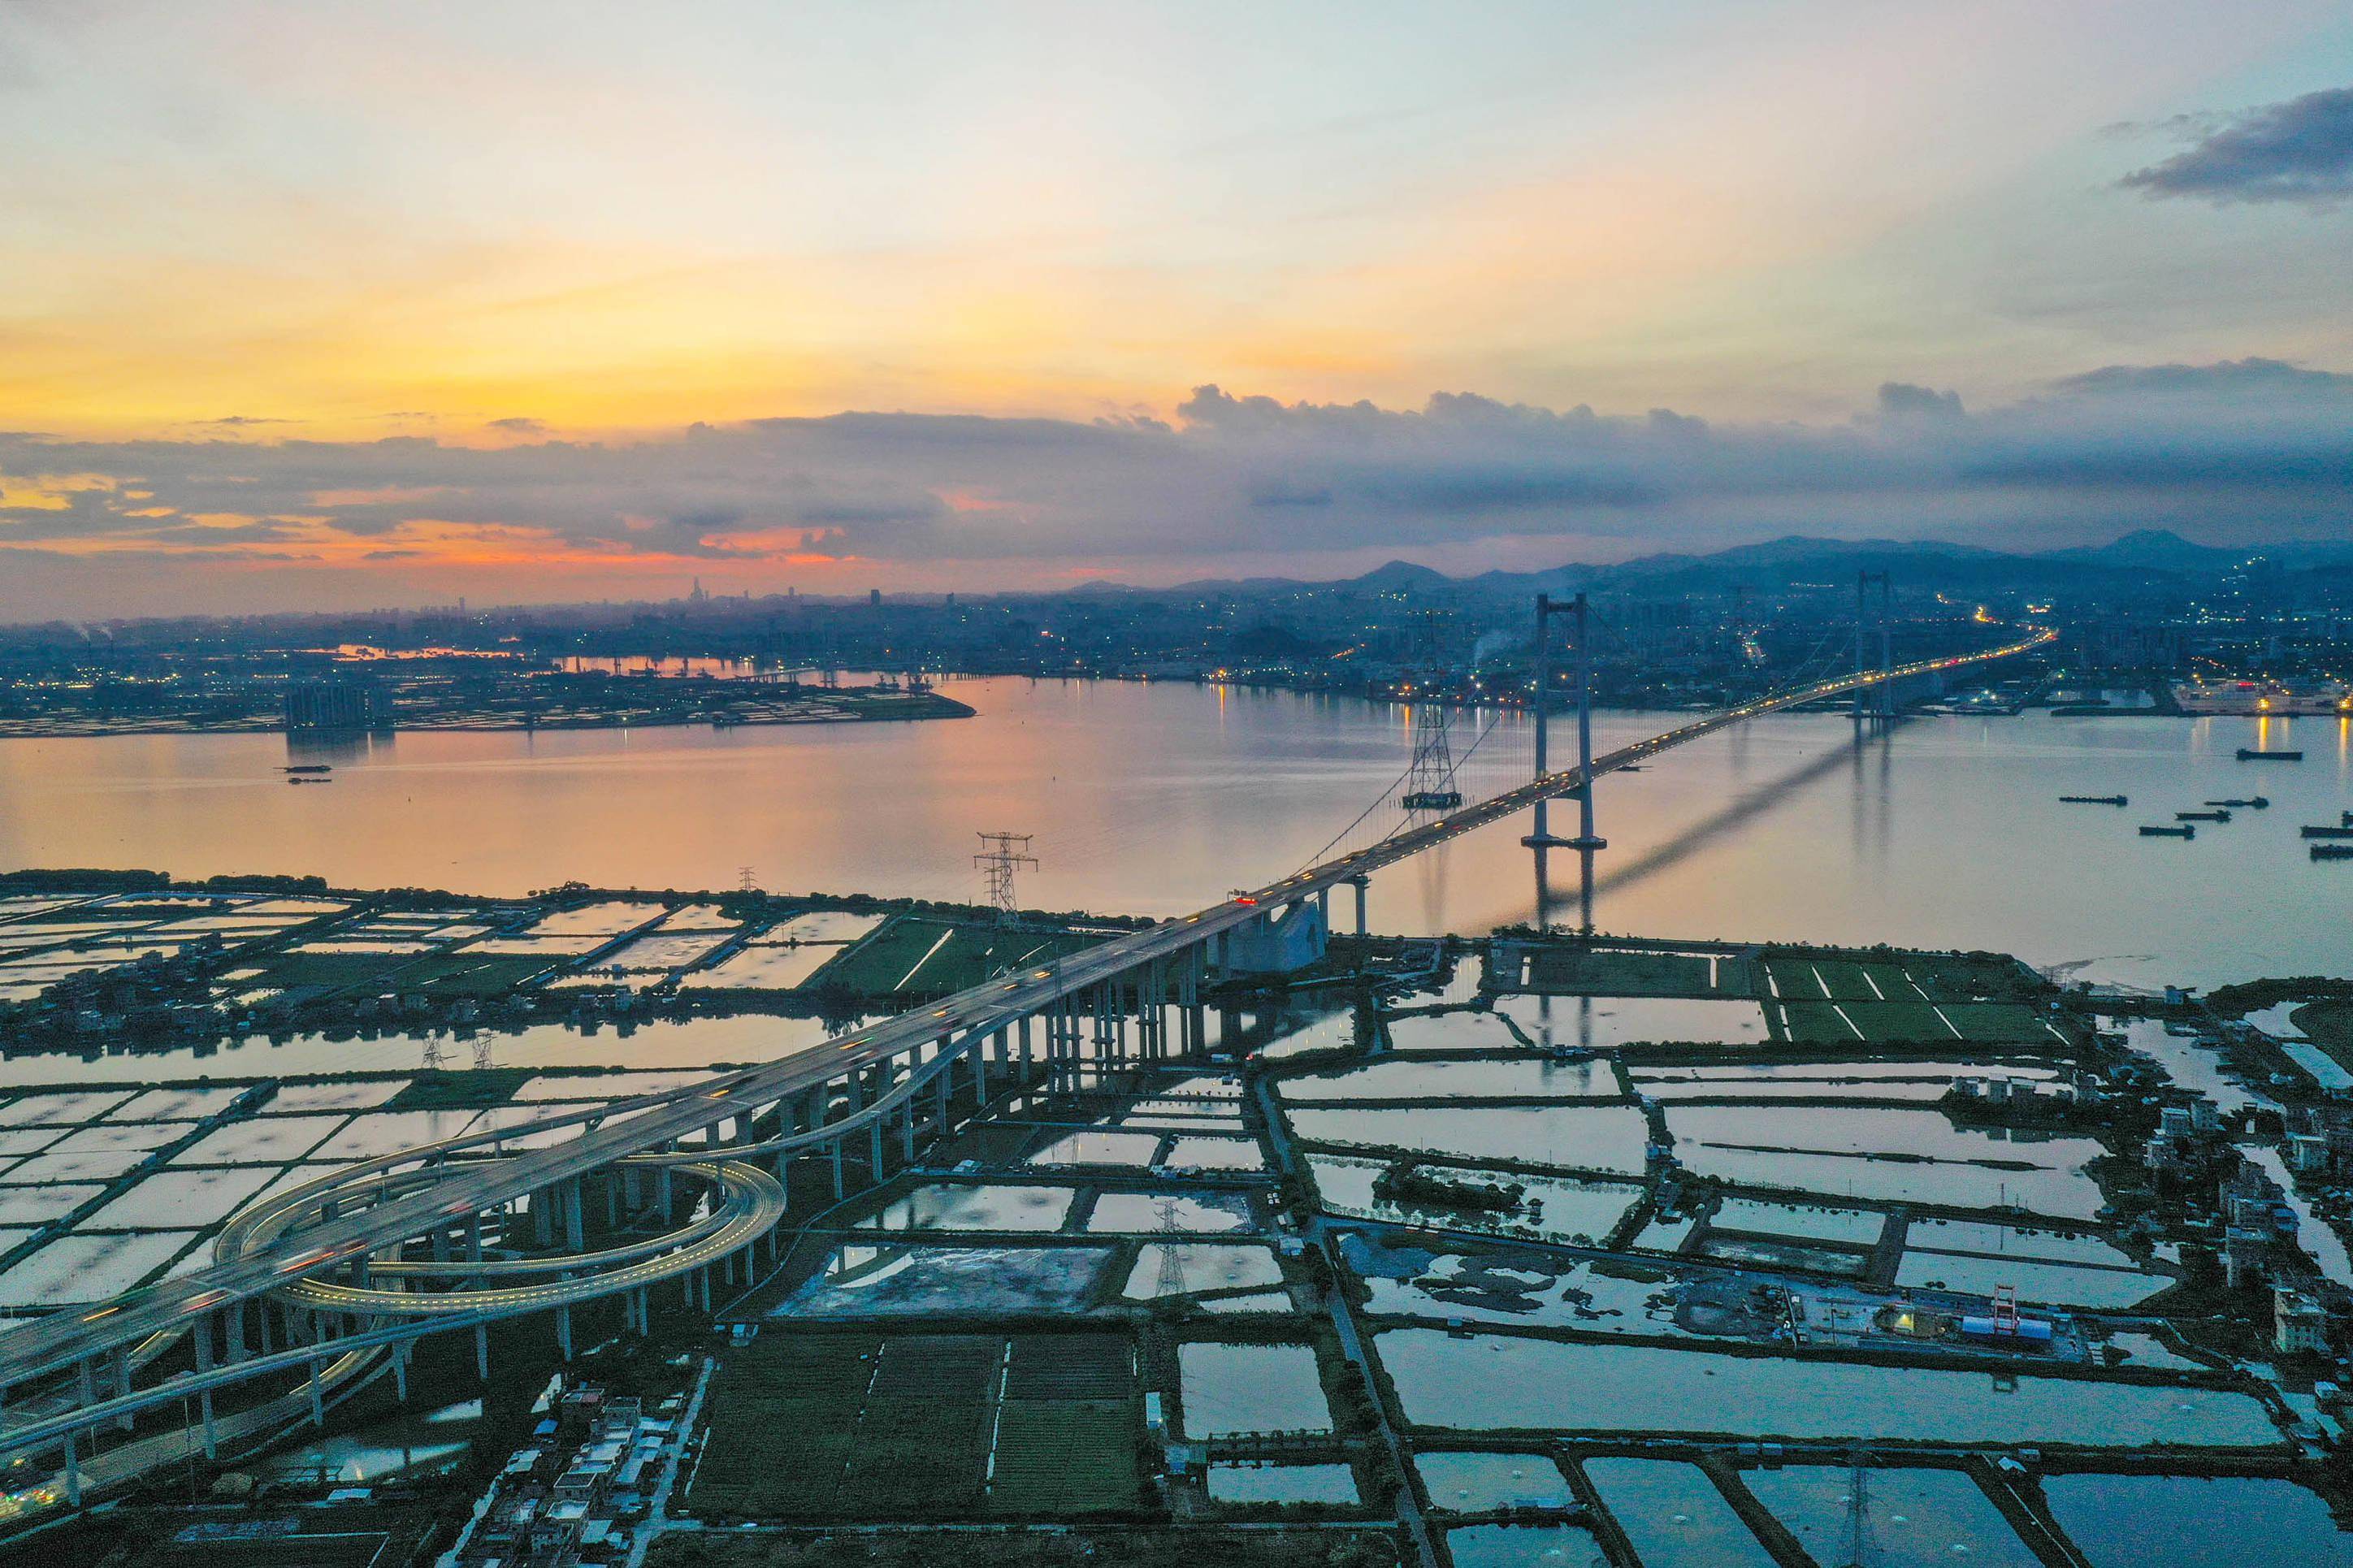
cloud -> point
(519, 425)
(2238, 378)
(1901, 400)
(2239, 450)
(2300, 150)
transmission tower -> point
(1858, 1519)
(744, 881)
(1430, 781)
(999, 857)
(1170, 1281)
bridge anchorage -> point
(320, 1284)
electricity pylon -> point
(999, 858)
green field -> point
(1999, 1023)
(916, 955)
(783, 1411)
(1841, 980)
(1577, 971)
(1824, 1023)
(1067, 1436)
(461, 1091)
(848, 1425)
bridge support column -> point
(542, 1216)
(482, 1352)
(575, 1229)
(400, 1372)
(564, 1329)
(319, 1394)
(840, 1189)
(126, 1421)
(1362, 884)
(612, 1186)
(203, 1336)
(73, 1474)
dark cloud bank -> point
(2299, 151)
(2240, 451)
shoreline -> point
(900, 710)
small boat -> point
(2257, 804)
(2324, 832)
(2153, 830)
(2249, 755)
(309, 781)
(2332, 851)
(2094, 800)
(2201, 816)
(308, 768)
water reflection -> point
(1158, 798)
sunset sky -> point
(372, 303)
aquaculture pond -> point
(1515, 1382)
(1236, 1388)
(2184, 1521)
(1523, 1077)
(1525, 1546)
(1673, 1515)
(1572, 1208)
(1911, 1518)
(1602, 1021)
(949, 1208)
(1488, 1483)
(2049, 1284)
(1252, 1483)
(1908, 1155)
(1456, 1031)
(1583, 1137)
(859, 1281)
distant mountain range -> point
(2147, 555)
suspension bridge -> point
(334, 1279)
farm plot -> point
(922, 1426)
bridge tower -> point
(1586, 842)
(1874, 701)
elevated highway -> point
(288, 1252)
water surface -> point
(1158, 798)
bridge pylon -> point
(1543, 840)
